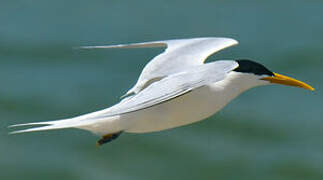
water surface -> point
(267, 133)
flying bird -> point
(175, 88)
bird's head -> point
(264, 76)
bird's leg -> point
(108, 137)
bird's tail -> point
(50, 125)
(93, 122)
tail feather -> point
(93, 122)
(58, 124)
(49, 127)
(30, 124)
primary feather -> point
(179, 55)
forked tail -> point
(100, 126)
(51, 125)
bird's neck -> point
(236, 83)
(244, 81)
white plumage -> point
(175, 88)
(176, 71)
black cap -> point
(248, 66)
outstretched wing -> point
(179, 55)
(173, 86)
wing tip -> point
(97, 47)
(231, 41)
(151, 44)
(235, 42)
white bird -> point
(174, 89)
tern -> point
(175, 88)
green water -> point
(271, 132)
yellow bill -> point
(285, 80)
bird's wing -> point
(173, 86)
(179, 55)
(161, 91)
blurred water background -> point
(267, 133)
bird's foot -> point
(107, 138)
